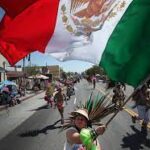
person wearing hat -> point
(81, 136)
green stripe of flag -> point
(127, 54)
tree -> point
(95, 70)
(63, 75)
(32, 70)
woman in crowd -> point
(81, 136)
(142, 102)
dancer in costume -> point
(81, 135)
(59, 100)
(118, 95)
(49, 94)
(142, 102)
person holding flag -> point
(81, 134)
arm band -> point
(86, 136)
(94, 135)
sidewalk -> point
(29, 94)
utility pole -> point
(29, 59)
(4, 66)
(23, 64)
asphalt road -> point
(32, 126)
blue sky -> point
(40, 59)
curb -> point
(32, 95)
(26, 98)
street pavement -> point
(33, 126)
(11, 117)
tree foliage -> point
(95, 70)
(32, 70)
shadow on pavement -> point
(136, 141)
(33, 133)
(40, 108)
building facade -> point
(3, 64)
(54, 70)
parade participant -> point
(76, 136)
(94, 81)
(49, 94)
(118, 95)
(123, 86)
(141, 99)
(81, 135)
(64, 93)
(59, 100)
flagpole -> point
(144, 81)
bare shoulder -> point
(70, 132)
(73, 136)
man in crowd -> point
(142, 102)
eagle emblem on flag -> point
(83, 17)
(86, 16)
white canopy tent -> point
(40, 76)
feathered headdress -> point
(97, 107)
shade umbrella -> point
(38, 77)
(41, 77)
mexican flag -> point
(114, 34)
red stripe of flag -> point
(29, 31)
(14, 7)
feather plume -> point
(98, 107)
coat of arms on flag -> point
(82, 17)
